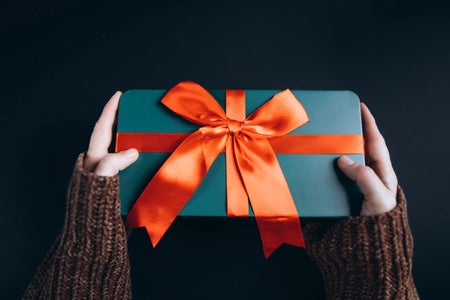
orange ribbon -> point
(286, 144)
(253, 172)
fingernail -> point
(345, 160)
(130, 153)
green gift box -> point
(317, 186)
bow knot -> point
(234, 126)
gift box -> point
(330, 126)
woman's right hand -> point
(377, 180)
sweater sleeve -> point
(365, 257)
(89, 259)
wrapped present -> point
(201, 154)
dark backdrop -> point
(61, 61)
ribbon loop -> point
(278, 116)
(191, 101)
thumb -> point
(377, 198)
(112, 163)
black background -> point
(62, 60)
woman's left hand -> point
(98, 160)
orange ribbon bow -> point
(253, 172)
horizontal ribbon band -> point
(286, 144)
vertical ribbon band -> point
(253, 172)
(237, 199)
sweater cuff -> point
(92, 203)
(364, 257)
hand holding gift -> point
(98, 160)
(377, 180)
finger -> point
(102, 133)
(377, 151)
(373, 136)
(365, 177)
(378, 198)
(112, 163)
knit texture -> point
(89, 259)
(365, 257)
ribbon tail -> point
(270, 198)
(173, 184)
(277, 231)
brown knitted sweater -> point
(365, 257)
(89, 259)
(360, 257)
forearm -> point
(89, 259)
(365, 257)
